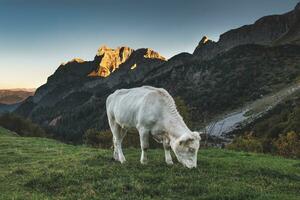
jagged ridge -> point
(269, 30)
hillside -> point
(277, 131)
(282, 119)
(37, 168)
(208, 88)
(268, 30)
(4, 108)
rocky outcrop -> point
(153, 55)
(269, 30)
(77, 60)
(111, 59)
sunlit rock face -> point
(153, 55)
(270, 30)
(74, 60)
(111, 59)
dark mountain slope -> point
(73, 99)
(268, 30)
(227, 81)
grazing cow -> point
(151, 110)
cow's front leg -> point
(168, 156)
(144, 139)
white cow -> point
(151, 110)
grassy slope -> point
(37, 168)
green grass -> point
(38, 168)
(4, 132)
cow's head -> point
(186, 149)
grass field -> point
(37, 168)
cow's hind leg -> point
(122, 134)
(118, 135)
(144, 139)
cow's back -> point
(130, 107)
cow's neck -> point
(176, 128)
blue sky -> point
(37, 35)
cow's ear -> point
(198, 134)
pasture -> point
(39, 168)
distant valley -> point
(10, 99)
(13, 96)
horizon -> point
(40, 35)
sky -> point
(36, 36)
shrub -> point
(246, 143)
(102, 139)
(22, 126)
(288, 144)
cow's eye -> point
(191, 150)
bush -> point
(101, 139)
(288, 144)
(246, 143)
(22, 126)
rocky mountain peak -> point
(111, 59)
(109, 51)
(76, 60)
(153, 54)
(297, 7)
(204, 40)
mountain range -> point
(270, 30)
(13, 96)
(244, 65)
(10, 99)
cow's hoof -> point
(116, 156)
(144, 162)
(169, 162)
